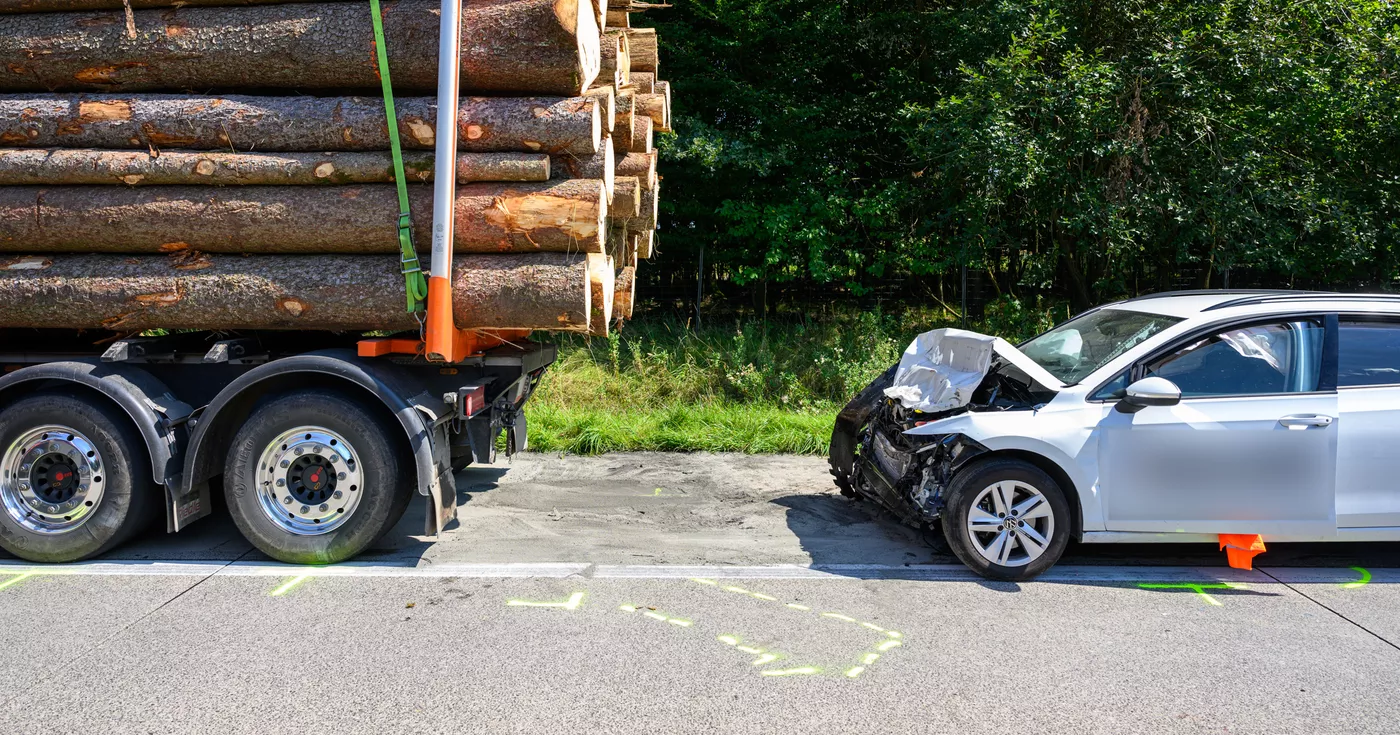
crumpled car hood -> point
(940, 369)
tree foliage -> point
(1081, 149)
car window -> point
(1368, 353)
(1114, 389)
(1260, 359)
(1075, 349)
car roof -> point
(1187, 304)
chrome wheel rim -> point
(51, 479)
(309, 481)
(1010, 523)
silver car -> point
(1174, 417)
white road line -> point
(410, 568)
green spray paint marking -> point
(16, 579)
(1365, 578)
(294, 581)
(1198, 588)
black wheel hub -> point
(311, 479)
(55, 478)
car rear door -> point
(1251, 448)
(1368, 443)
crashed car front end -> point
(943, 373)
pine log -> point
(618, 19)
(664, 88)
(66, 166)
(622, 245)
(646, 244)
(533, 46)
(600, 13)
(641, 140)
(617, 68)
(601, 165)
(627, 199)
(640, 165)
(624, 292)
(607, 107)
(246, 123)
(649, 210)
(601, 281)
(68, 6)
(642, 43)
(657, 107)
(323, 292)
(630, 6)
(643, 82)
(626, 111)
(556, 216)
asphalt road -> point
(660, 594)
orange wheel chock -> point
(1241, 548)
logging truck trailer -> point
(316, 442)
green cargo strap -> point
(414, 284)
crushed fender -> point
(951, 372)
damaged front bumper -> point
(947, 372)
(872, 458)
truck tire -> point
(75, 480)
(1006, 519)
(314, 478)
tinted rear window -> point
(1369, 353)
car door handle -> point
(1305, 420)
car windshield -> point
(1086, 343)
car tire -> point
(1014, 546)
(108, 483)
(314, 478)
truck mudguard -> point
(215, 426)
(157, 414)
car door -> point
(1251, 447)
(1368, 443)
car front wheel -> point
(1006, 519)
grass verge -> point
(743, 386)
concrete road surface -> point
(684, 593)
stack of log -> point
(224, 164)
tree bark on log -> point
(321, 292)
(246, 123)
(642, 82)
(655, 106)
(601, 165)
(624, 292)
(627, 199)
(558, 216)
(622, 245)
(649, 210)
(607, 107)
(49, 167)
(601, 277)
(621, 63)
(664, 89)
(615, 65)
(646, 244)
(535, 46)
(69, 6)
(626, 111)
(642, 44)
(619, 19)
(640, 165)
(641, 140)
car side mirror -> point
(1149, 392)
